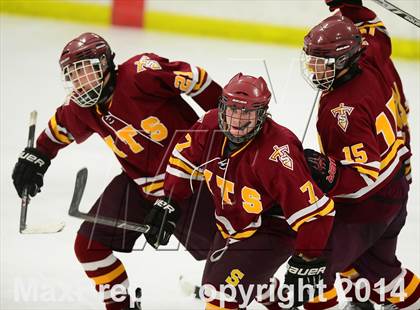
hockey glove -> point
(29, 171)
(163, 216)
(336, 4)
(301, 272)
(323, 169)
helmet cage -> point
(84, 80)
(320, 72)
(261, 114)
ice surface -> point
(41, 271)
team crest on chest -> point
(281, 154)
(146, 63)
(341, 113)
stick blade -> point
(50, 228)
(32, 117)
(79, 188)
(187, 287)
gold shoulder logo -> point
(282, 154)
(146, 63)
(341, 113)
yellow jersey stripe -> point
(324, 211)
(153, 186)
(378, 24)
(110, 276)
(239, 235)
(179, 163)
(407, 170)
(373, 173)
(349, 273)
(409, 290)
(202, 74)
(210, 306)
(391, 155)
(57, 134)
(238, 151)
(242, 148)
(223, 146)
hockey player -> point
(377, 53)
(362, 161)
(136, 109)
(263, 194)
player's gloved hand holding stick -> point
(303, 272)
(29, 171)
(163, 216)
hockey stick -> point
(188, 288)
(392, 8)
(74, 211)
(23, 228)
(310, 115)
(25, 195)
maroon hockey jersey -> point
(266, 174)
(143, 115)
(357, 126)
(378, 53)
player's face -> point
(84, 81)
(84, 77)
(239, 121)
(320, 68)
(319, 72)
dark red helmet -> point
(331, 46)
(335, 37)
(88, 69)
(245, 93)
(88, 45)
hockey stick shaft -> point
(396, 10)
(25, 194)
(74, 211)
(310, 116)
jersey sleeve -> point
(63, 128)
(183, 169)
(373, 30)
(307, 210)
(352, 142)
(163, 78)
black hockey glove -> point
(335, 4)
(163, 216)
(323, 169)
(301, 272)
(29, 171)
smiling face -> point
(240, 121)
(243, 107)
